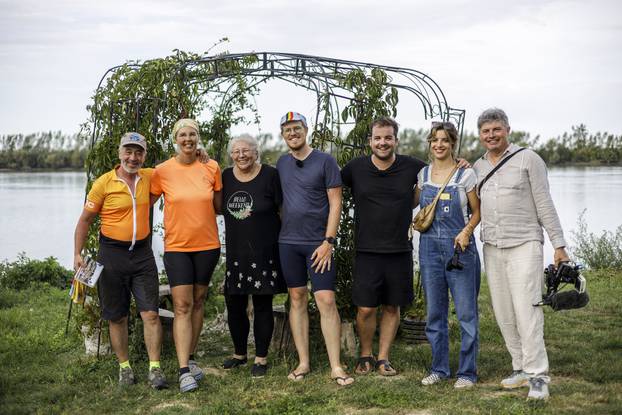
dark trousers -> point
(239, 326)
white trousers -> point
(515, 278)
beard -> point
(128, 169)
(387, 157)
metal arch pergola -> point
(318, 74)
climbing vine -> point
(149, 97)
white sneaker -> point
(464, 383)
(431, 379)
(517, 379)
(195, 370)
(187, 383)
(538, 389)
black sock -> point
(183, 370)
(191, 357)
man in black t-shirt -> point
(383, 186)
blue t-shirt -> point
(305, 208)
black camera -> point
(454, 262)
(565, 273)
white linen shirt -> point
(516, 202)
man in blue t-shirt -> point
(311, 185)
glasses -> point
(300, 164)
(241, 152)
(289, 130)
(443, 124)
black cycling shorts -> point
(189, 268)
(126, 272)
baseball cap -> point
(133, 138)
(293, 116)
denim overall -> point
(436, 248)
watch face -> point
(330, 240)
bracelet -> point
(468, 230)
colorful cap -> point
(134, 139)
(293, 116)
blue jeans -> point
(434, 253)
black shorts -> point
(383, 279)
(189, 268)
(126, 272)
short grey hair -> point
(492, 115)
(248, 139)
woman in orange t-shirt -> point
(191, 190)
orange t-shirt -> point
(121, 219)
(189, 215)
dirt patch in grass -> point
(378, 411)
(213, 371)
(168, 405)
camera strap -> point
(497, 167)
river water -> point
(38, 211)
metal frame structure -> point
(317, 74)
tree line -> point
(574, 148)
(44, 150)
(55, 150)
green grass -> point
(45, 372)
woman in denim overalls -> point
(449, 233)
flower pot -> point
(413, 330)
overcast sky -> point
(549, 64)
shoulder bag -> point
(424, 218)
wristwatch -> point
(330, 240)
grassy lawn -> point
(45, 372)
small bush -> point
(597, 252)
(22, 273)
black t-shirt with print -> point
(383, 202)
(252, 227)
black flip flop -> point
(297, 376)
(344, 380)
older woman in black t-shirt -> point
(251, 199)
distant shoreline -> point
(41, 170)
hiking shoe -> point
(258, 370)
(538, 389)
(464, 383)
(187, 382)
(233, 362)
(517, 379)
(156, 379)
(126, 376)
(195, 370)
(431, 379)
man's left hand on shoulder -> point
(463, 163)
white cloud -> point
(551, 64)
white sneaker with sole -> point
(187, 382)
(431, 379)
(517, 379)
(538, 389)
(464, 383)
(195, 369)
